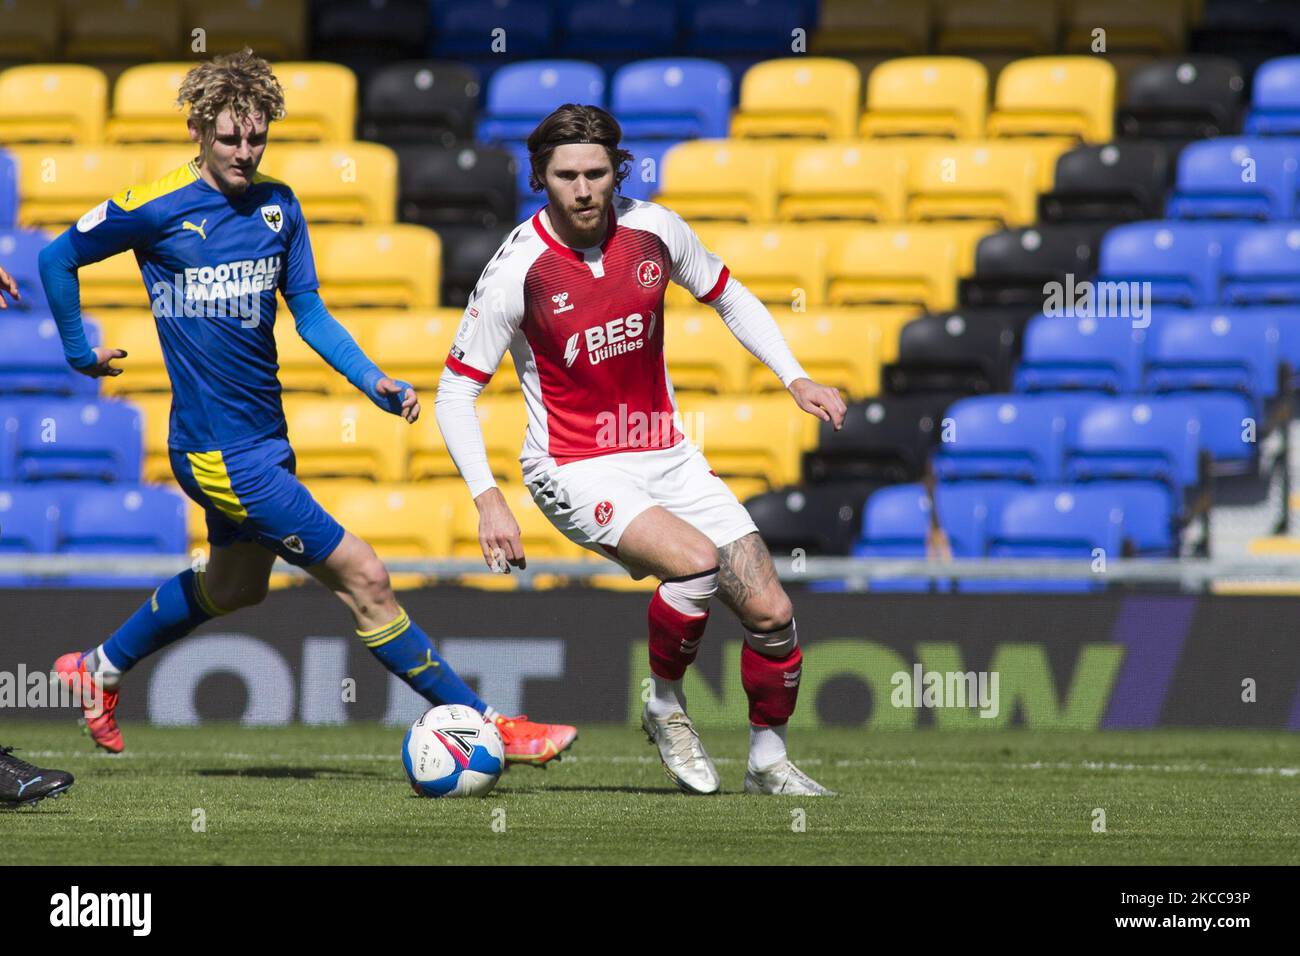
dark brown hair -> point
(575, 123)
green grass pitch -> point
(338, 795)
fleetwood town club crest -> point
(604, 513)
(648, 273)
(273, 216)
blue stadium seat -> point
(29, 521)
(520, 95)
(1213, 350)
(19, 249)
(1181, 260)
(647, 161)
(672, 99)
(722, 28)
(1054, 522)
(468, 30)
(1014, 437)
(1275, 98)
(31, 358)
(1212, 180)
(1150, 523)
(8, 190)
(627, 27)
(1141, 439)
(77, 439)
(1283, 318)
(121, 519)
(1263, 266)
(1090, 355)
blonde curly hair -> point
(240, 82)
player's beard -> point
(589, 227)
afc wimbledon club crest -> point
(273, 217)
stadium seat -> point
(950, 354)
(123, 31)
(301, 368)
(1013, 437)
(540, 538)
(720, 179)
(885, 438)
(835, 349)
(31, 33)
(672, 99)
(395, 266)
(1262, 266)
(987, 181)
(1007, 28)
(339, 183)
(466, 251)
(1118, 182)
(457, 186)
(1150, 523)
(155, 413)
(520, 95)
(1275, 99)
(8, 191)
(144, 105)
(159, 159)
(503, 420)
(728, 28)
(927, 96)
(346, 438)
(1056, 522)
(74, 438)
(135, 331)
(1153, 28)
(29, 523)
(1055, 96)
(320, 103)
(1182, 98)
(806, 96)
(32, 361)
(465, 30)
(397, 520)
(1236, 178)
(52, 103)
(276, 29)
(815, 519)
(702, 353)
(412, 347)
(122, 519)
(1181, 260)
(370, 37)
(420, 102)
(759, 437)
(113, 283)
(627, 28)
(1013, 267)
(19, 251)
(883, 27)
(852, 180)
(776, 263)
(58, 184)
(1080, 354)
(643, 177)
(894, 265)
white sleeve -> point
(753, 325)
(696, 269)
(454, 408)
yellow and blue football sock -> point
(176, 608)
(406, 651)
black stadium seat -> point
(465, 251)
(1249, 31)
(953, 352)
(1183, 98)
(1012, 266)
(819, 519)
(420, 102)
(1119, 182)
(887, 438)
(456, 186)
(366, 35)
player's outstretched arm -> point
(58, 264)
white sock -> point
(490, 714)
(668, 697)
(766, 746)
(102, 666)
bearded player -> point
(215, 240)
(577, 295)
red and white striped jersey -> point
(585, 329)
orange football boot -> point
(101, 720)
(531, 743)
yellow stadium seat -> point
(896, 27)
(320, 103)
(927, 96)
(275, 29)
(393, 266)
(123, 30)
(399, 520)
(301, 367)
(155, 410)
(745, 488)
(846, 179)
(346, 438)
(342, 183)
(760, 436)
(540, 538)
(720, 179)
(1153, 27)
(834, 347)
(134, 331)
(114, 283)
(159, 159)
(798, 96)
(59, 184)
(31, 31)
(144, 105)
(989, 181)
(503, 419)
(1055, 96)
(779, 264)
(888, 320)
(1023, 27)
(52, 103)
(894, 265)
(702, 354)
(413, 347)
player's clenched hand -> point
(498, 532)
(7, 284)
(102, 367)
(820, 400)
(410, 407)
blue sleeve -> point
(300, 265)
(332, 342)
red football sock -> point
(674, 638)
(771, 684)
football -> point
(451, 751)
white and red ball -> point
(451, 751)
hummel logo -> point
(792, 677)
(561, 299)
(199, 228)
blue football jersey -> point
(211, 265)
